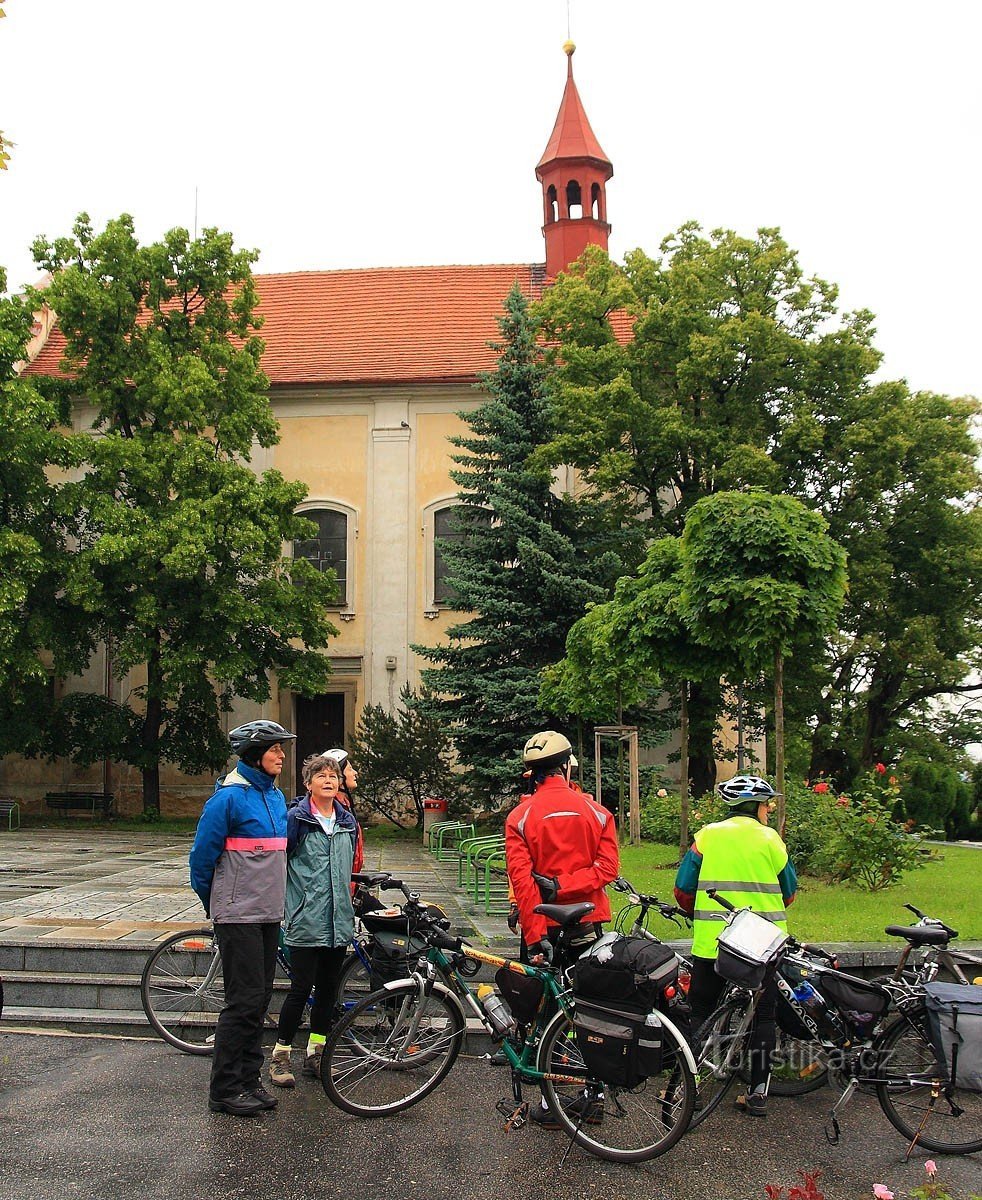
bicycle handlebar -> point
(668, 911)
(953, 933)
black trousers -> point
(248, 965)
(705, 989)
(317, 968)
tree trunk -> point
(779, 737)
(684, 770)
(703, 707)
(150, 738)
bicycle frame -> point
(521, 1059)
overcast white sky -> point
(344, 133)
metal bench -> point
(94, 803)
(10, 809)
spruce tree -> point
(527, 564)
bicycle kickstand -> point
(833, 1137)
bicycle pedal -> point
(515, 1118)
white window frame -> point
(347, 610)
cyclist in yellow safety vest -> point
(747, 863)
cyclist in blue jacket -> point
(238, 870)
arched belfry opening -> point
(573, 171)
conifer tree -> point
(525, 566)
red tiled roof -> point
(572, 135)
(385, 325)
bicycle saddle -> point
(370, 879)
(919, 935)
(565, 914)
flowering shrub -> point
(806, 1190)
(933, 1188)
(864, 845)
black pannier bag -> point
(617, 1044)
(631, 972)
(954, 1017)
(393, 952)
(523, 994)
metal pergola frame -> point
(628, 734)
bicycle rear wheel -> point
(354, 982)
(392, 1049)
(915, 1098)
(614, 1123)
(182, 990)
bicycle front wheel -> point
(615, 1123)
(797, 1066)
(392, 1049)
(721, 1050)
(183, 992)
(915, 1097)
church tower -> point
(573, 171)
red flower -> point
(820, 788)
(843, 802)
(880, 769)
(893, 781)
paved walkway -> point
(79, 885)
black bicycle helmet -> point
(251, 740)
(546, 750)
(744, 789)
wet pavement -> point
(78, 885)
(101, 1119)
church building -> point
(368, 370)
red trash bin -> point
(433, 810)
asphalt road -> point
(101, 1118)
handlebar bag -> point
(631, 971)
(616, 1044)
(954, 1017)
(747, 947)
(393, 956)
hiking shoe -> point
(245, 1104)
(280, 1074)
(580, 1110)
(312, 1062)
(754, 1104)
(265, 1098)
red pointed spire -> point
(572, 135)
(573, 171)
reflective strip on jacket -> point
(564, 834)
(747, 863)
(238, 859)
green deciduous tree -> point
(761, 580)
(39, 627)
(527, 565)
(718, 365)
(177, 562)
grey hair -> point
(316, 763)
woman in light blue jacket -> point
(319, 923)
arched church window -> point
(595, 203)
(328, 549)
(552, 203)
(574, 201)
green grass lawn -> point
(947, 887)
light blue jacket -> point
(318, 886)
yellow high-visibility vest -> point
(741, 859)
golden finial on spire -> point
(569, 48)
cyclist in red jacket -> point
(560, 834)
(560, 847)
